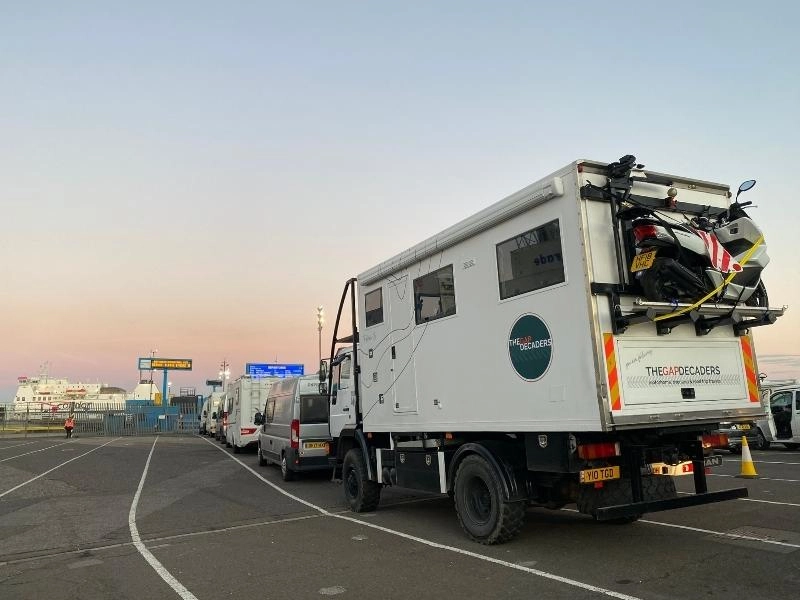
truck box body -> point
(524, 344)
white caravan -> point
(247, 396)
(511, 360)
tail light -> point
(295, 439)
(247, 430)
(225, 419)
(599, 450)
(644, 232)
(715, 440)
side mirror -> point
(214, 415)
(323, 389)
(205, 413)
(323, 371)
(747, 185)
(258, 419)
(199, 418)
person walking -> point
(69, 425)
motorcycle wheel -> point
(656, 287)
(759, 297)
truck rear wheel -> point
(482, 511)
(362, 494)
(619, 492)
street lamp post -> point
(320, 321)
(224, 372)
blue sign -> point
(273, 370)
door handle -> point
(346, 409)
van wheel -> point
(482, 511)
(362, 494)
(761, 441)
(286, 472)
(236, 449)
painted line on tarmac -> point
(17, 445)
(432, 544)
(759, 477)
(56, 467)
(176, 585)
(733, 536)
(33, 452)
(176, 536)
(753, 500)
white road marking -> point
(176, 585)
(33, 452)
(733, 536)
(18, 445)
(54, 468)
(760, 477)
(774, 462)
(432, 544)
(753, 500)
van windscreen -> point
(314, 409)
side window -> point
(269, 410)
(373, 307)
(797, 401)
(283, 408)
(530, 261)
(434, 295)
(344, 373)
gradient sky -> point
(197, 177)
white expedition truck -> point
(510, 361)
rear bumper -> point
(305, 463)
(639, 508)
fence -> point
(103, 420)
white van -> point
(247, 396)
(208, 422)
(294, 429)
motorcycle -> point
(721, 255)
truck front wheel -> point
(362, 494)
(482, 511)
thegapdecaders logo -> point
(530, 347)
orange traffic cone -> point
(748, 468)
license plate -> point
(712, 461)
(315, 445)
(741, 427)
(643, 261)
(601, 474)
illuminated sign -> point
(170, 364)
(274, 370)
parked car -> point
(749, 429)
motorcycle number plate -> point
(643, 261)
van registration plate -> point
(643, 261)
(316, 446)
(601, 474)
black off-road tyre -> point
(361, 494)
(619, 492)
(482, 511)
(286, 473)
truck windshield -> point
(313, 409)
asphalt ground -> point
(184, 517)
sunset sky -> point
(197, 177)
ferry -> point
(44, 394)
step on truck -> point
(511, 361)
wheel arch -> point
(501, 457)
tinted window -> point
(434, 295)
(269, 410)
(780, 402)
(313, 409)
(373, 306)
(530, 261)
(283, 409)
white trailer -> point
(510, 360)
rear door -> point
(342, 407)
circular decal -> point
(530, 347)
